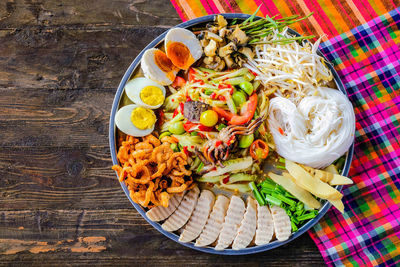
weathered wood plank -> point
(121, 236)
(69, 59)
(17, 13)
(55, 118)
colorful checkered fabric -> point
(367, 59)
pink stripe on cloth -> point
(178, 10)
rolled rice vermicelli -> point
(317, 131)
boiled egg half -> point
(135, 120)
(145, 92)
(158, 67)
(182, 47)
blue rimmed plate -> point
(113, 147)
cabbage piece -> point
(168, 122)
(190, 141)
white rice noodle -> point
(316, 131)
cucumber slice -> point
(213, 179)
(231, 165)
(242, 177)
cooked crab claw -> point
(217, 150)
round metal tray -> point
(113, 147)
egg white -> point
(187, 38)
(135, 86)
(123, 122)
(152, 71)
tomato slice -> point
(191, 74)
(178, 82)
(259, 149)
(247, 113)
(223, 113)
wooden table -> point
(60, 203)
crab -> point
(217, 150)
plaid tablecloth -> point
(363, 42)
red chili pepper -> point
(178, 109)
(172, 100)
(247, 113)
(178, 82)
(252, 72)
(189, 127)
(161, 119)
(221, 97)
(218, 143)
(188, 99)
(213, 95)
(185, 150)
(191, 76)
(224, 86)
(281, 131)
(225, 180)
(230, 141)
(205, 128)
(231, 91)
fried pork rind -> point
(151, 170)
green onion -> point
(306, 216)
(194, 133)
(271, 20)
(266, 186)
(201, 165)
(280, 167)
(266, 191)
(294, 227)
(288, 201)
(257, 194)
(286, 40)
(250, 19)
(281, 160)
(300, 206)
(287, 194)
(273, 200)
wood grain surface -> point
(60, 203)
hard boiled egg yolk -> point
(165, 64)
(143, 118)
(152, 95)
(180, 55)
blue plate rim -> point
(174, 237)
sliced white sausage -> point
(265, 226)
(247, 227)
(282, 226)
(160, 213)
(231, 224)
(183, 212)
(199, 217)
(214, 223)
